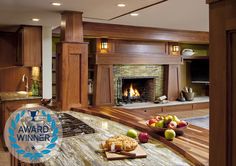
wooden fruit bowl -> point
(162, 130)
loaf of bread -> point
(120, 143)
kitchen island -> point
(81, 150)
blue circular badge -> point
(33, 134)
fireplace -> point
(136, 89)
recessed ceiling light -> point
(134, 14)
(35, 19)
(56, 4)
(121, 5)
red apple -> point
(159, 117)
(143, 137)
(182, 123)
(172, 125)
(151, 121)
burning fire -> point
(133, 92)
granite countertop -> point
(81, 150)
(12, 96)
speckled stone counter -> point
(81, 150)
(13, 96)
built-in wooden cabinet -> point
(8, 107)
(29, 46)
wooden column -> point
(172, 81)
(222, 82)
(104, 90)
(72, 63)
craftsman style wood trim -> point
(141, 33)
(172, 81)
(72, 75)
(117, 58)
(104, 88)
(223, 81)
(71, 27)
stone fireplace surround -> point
(154, 72)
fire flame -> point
(133, 92)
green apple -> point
(176, 119)
(160, 123)
(168, 118)
(170, 134)
(132, 133)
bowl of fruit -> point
(163, 122)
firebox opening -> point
(137, 90)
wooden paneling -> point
(232, 93)
(72, 63)
(104, 90)
(7, 49)
(135, 52)
(29, 50)
(222, 78)
(141, 33)
(137, 47)
(72, 75)
(71, 27)
(200, 105)
(8, 107)
(11, 78)
(172, 81)
(116, 58)
(184, 107)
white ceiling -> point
(172, 14)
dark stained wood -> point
(29, 49)
(72, 75)
(135, 52)
(232, 91)
(222, 78)
(172, 81)
(193, 145)
(104, 90)
(141, 33)
(137, 59)
(137, 47)
(8, 107)
(72, 63)
(71, 26)
(201, 105)
(11, 78)
(212, 1)
(7, 49)
(169, 109)
(194, 57)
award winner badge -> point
(33, 134)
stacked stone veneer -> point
(155, 71)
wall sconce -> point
(104, 44)
(175, 48)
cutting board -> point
(140, 153)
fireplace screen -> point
(137, 89)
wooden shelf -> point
(194, 57)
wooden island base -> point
(193, 144)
